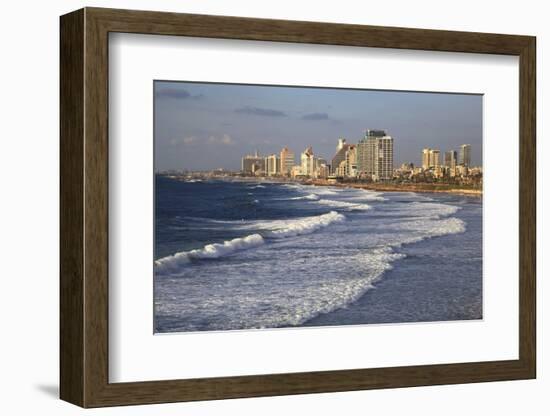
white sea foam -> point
(174, 262)
(428, 228)
(288, 277)
(308, 225)
(431, 210)
(365, 195)
(310, 197)
(318, 190)
(344, 205)
(275, 229)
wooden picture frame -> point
(84, 207)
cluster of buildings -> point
(284, 164)
(456, 168)
(370, 159)
(454, 164)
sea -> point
(238, 254)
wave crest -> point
(172, 263)
(311, 197)
(306, 225)
(344, 205)
(273, 229)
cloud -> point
(315, 116)
(260, 111)
(224, 139)
(183, 140)
(176, 93)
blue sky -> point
(207, 126)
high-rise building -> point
(286, 161)
(351, 162)
(375, 155)
(323, 169)
(339, 156)
(434, 158)
(341, 144)
(307, 162)
(430, 158)
(426, 158)
(253, 163)
(272, 165)
(465, 155)
(450, 159)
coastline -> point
(373, 186)
(431, 283)
(383, 187)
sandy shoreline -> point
(400, 188)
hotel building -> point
(286, 161)
(253, 164)
(375, 155)
(272, 165)
(450, 159)
(465, 155)
(430, 158)
(307, 163)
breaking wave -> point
(272, 229)
(344, 205)
(311, 197)
(210, 251)
(277, 274)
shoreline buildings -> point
(450, 159)
(430, 158)
(371, 160)
(253, 163)
(344, 161)
(272, 165)
(465, 155)
(287, 161)
(307, 163)
(375, 156)
(452, 167)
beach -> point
(241, 254)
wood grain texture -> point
(84, 207)
(71, 185)
(527, 207)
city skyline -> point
(371, 160)
(208, 126)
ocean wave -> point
(365, 195)
(375, 263)
(306, 225)
(274, 229)
(311, 197)
(294, 302)
(318, 190)
(276, 278)
(428, 228)
(210, 251)
(344, 205)
(432, 209)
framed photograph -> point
(254, 207)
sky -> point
(204, 126)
